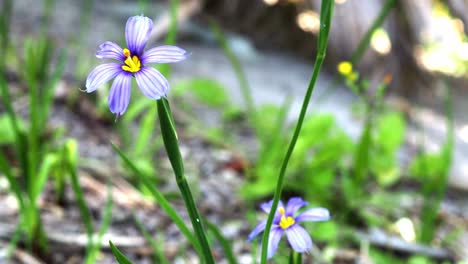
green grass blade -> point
(365, 41)
(170, 139)
(225, 243)
(43, 174)
(50, 87)
(106, 220)
(71, 159)
(171, 36)
(159, 197)
(361, 156)
(13, 243)
(157, 248)
(5, 19)
(119, 256)
(326, 13)
(238, 70)
(47, 13)
(434, 191)
(145, 132)
(20, 137)
(7, 102)
(14, 186)
(273, 140)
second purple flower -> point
(132, 62)
(287, 221)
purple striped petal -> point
(293, 205)
(152, 83)
(119, 95)
(257, 230)
(137, 33)
(164, 54)
(273, 240)
(298, 238)
(102, 74)
(314, 214)
(110, 50)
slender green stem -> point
(170, 139)
(325, 24)
(295, 257)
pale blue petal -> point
(164, 54)
(273, 240)
(293, 205)
(102, 74)
(299, 239)
(266, 207)
(257, 230)
(137, 32)
(119, 95)
(152, 83)
(110, 50)
(314, 214)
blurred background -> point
(398, 119)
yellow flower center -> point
(285, 222)
(345, 68)
(132, 64)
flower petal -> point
(164, 54)
(273, 240)
(314, 214)
(267, 206)
(119, 95)
(257, 230)
(101, 74)
(110, 50)
(152, 83)
(293, 205)
(137, 33)
(298, 238)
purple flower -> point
(286, 221)
(131, 62)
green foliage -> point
(388, 137)
(381, 257)
(8, 134)
(328, 232)
(315, 160)
(427, 166)
(206, 91)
